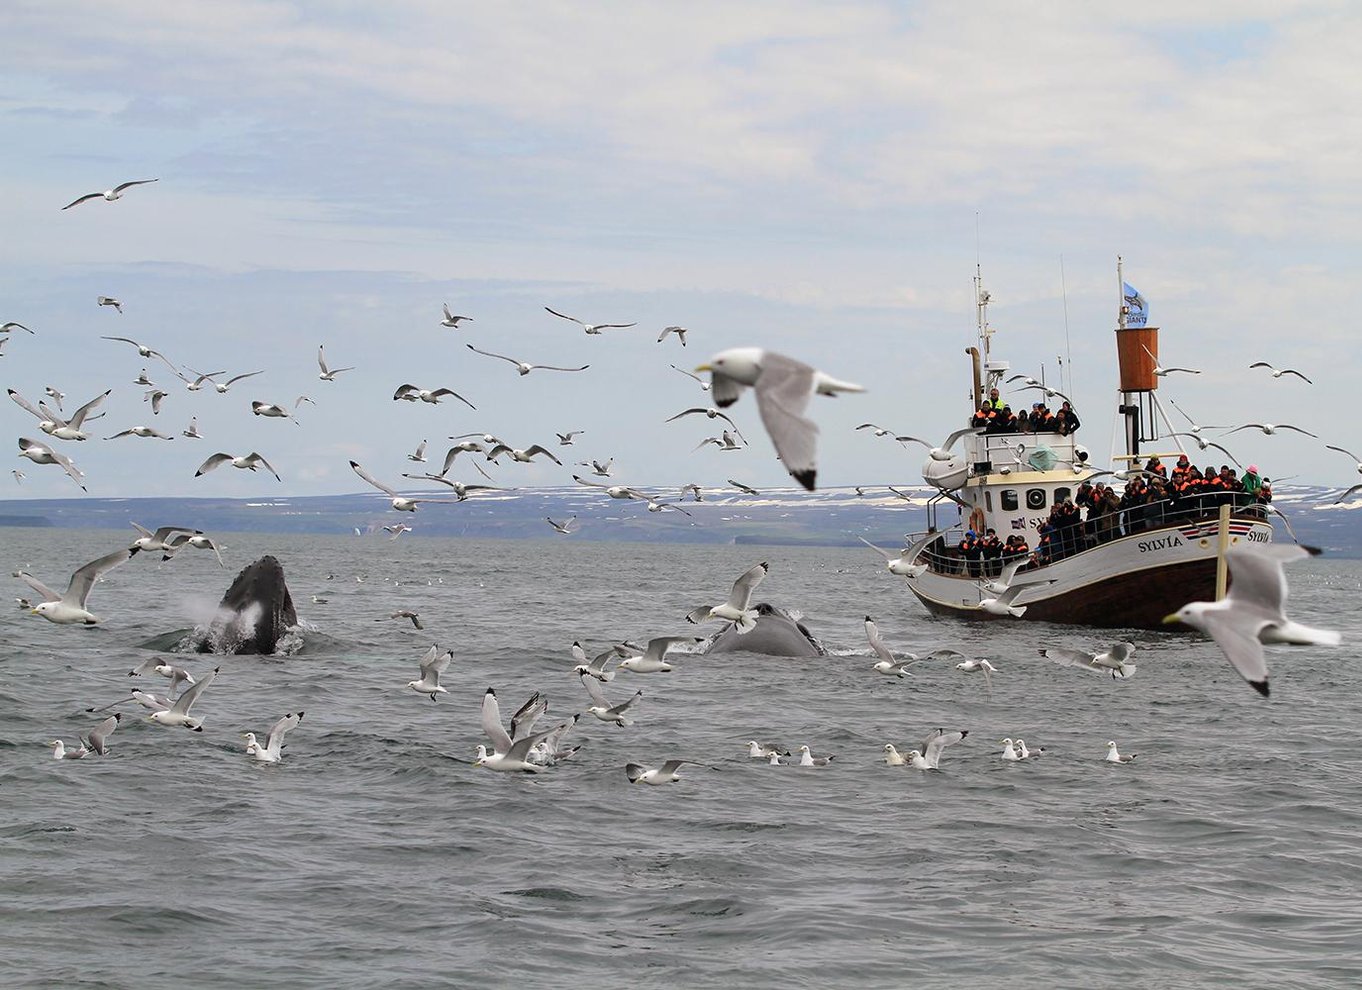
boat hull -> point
(1129, 583)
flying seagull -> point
(784, 387)
(109, 194)
(327, 374)
(451, 320)
(679, 331)
(399, 503)
(593, 328)
(41, 453)
(525, 367)
(414, 393)
(1278, 372)
(736, 608)
(249, 462)
(110, 301)
(69, 608)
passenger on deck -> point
(991, 549)
(981, 419)
(971, 551)
(1068, 410)
(1062, 424)
(995, 401)
(1252, 483)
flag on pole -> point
(1137, 310)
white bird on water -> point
(510, 751)
(665, 774)
(60, 752)
(654, 657)
(807, 759)
(69, 608)
(109, 195)
(1114, 755)
(1252, 613)
(272, 751)
(783, 387)
(736, 609)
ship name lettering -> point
(1256, 537)
(1162, 543)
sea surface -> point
(376, 855)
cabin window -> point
(1035, 498)
(1009, 499)
(1062, 495)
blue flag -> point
(1137, 310)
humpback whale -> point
(777, 633)
(254, 613)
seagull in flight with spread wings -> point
(524, 367)
(109, 195)
(595, 328)
(399, 503)
(1278, 372)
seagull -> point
(273, 411)
(1115, 659)
(71, 429)
(41, 453)
(565, 439)
(1002, 604)
(745, 489)
(178, 713)
(398, 502)
(414, 393)
(756, 751)
(110, 301)
(942, 453)
(654, 658)
(96, 740)
(1329, 446)
(1050, 393)
(929, 755)
(397, 531)
(196, 540)
(146, 432)
(704, 385)
(155, 397)
(711, 413)
(451, 320)
(249, 462)
(19, 477)
(564, 528)
(1115, 757)
(599, 469)
(109, 194)
(327, 374)
(1270, 428)
(550, 751)
(11, 325)
(902, 563)
(657, 505)
(1162, 372)
(893, 757)
(971, 665)
(507, 754)
(193, 432)
(807, 759)
(880, 431)
(1010, 752)
(886, 664)
(679, 331)
(694, 490)
(60, 752)
(665, 774)
(1278, 372)
(602, 708)
(524, 367)
(1252, 613)
(69, 608)
(54, 395)
(596, 667)
(522, 456)
(1194, 426)
(460, 489)
(142, 349)
(725, 442)
(419, 454)
(1203, 444)
(614, 491)
(433, 664)
(594, 328)
(736, 608)
(271, 752)
(1026, 754)
(783, 386)
(158, 541)
(406, 613)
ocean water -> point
(375, 855)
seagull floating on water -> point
(272, 751)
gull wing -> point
(449, 391)
(26, 405)
(1258, 578)
(1329, 446)
(553, 311)
(1239, 642)
(520, 749)
(873, 634)
(372, 480)
(77, 202)
(537, 449)
(128, 185)
(933, 745)
(216, 460)
(435, 663)
(554, 367)
(490, 354)
(274, 742)
(48, 594)
(659, 645)
(525, 717)
(954, 437)
(1068, 657)
(84, 579)
(102, 732)
(592, 688)
(626, 704)
(186, 701)
(141, 529)
(491, 724)
(741, 594)
(783, 391)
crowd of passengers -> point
(996, 416)
(1097, 513)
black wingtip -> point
(805, 478)
(869, 619)
(1260, 686)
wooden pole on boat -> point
(1222, 544)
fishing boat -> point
(1115, 569)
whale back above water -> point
(778, 633)
(254, 613)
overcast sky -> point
(817, 178)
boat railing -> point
(943, 555)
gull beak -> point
(703, 367)
(1171, 618)
(34, 611)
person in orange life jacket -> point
(1015, 547)
(1180, 469)
(972, 549)
(982, 418)
(991, 549)
(1155, 466)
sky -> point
(817, 179)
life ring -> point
(976, 520)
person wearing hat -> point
(995, 401)
(1253, 484)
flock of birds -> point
(1251, 615)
